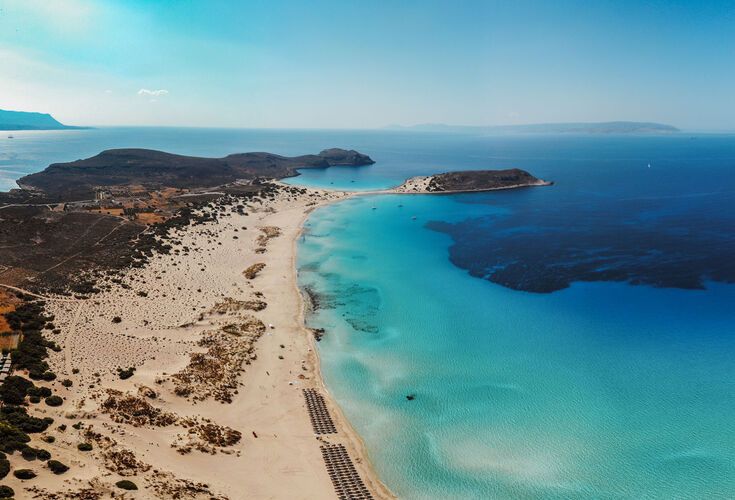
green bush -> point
(126, 485)
(24, 474)
(11, 438)
(57, 467)
(6, 491)
(126, 373)
(17, 417)
(34, 399)
(54, 401)
(42, 454)
(4, 467)
(29, 453)
(84, 446)
(14, 389)
(67, 383)
(42, 392)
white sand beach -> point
(154, 319)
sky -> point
(366, 64)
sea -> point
(574, 341)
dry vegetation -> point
(166, 485)
(252, 271)
(214, 373)
(205, 436)
(128, 409)
(231, 306)
(268, 232)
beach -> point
(196, 299)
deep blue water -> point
(616, 382)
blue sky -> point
(362, 64)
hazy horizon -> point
(334, 65)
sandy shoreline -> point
(350, 438)
(162, 318)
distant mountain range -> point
(546, 128)
(24, 120)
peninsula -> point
(117, 170)
(24, 120)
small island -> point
(469, 181)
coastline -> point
(188, 331)
(351, 439)
(170, 311)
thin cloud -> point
(153, 93)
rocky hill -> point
(150, 169)
(23, 120)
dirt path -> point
(44, 297)
(70, 334)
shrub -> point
(4, 467)
(6, 492)
(31, 351)
(14, 389)
(48, 376)
(54, 401)
(126, 485)
(84, 446)
(28, 453)
(117, 319)
(48, 439)
(42, 392)
(43, 455)
(24, 474)
(34, 399)
(126, 373)
(12, 439)
(17, 417)
(67, 383)
(57, 467)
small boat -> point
(375, 208)
(10, 137)
(413, 218)
(649, 165)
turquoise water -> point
(601, 390)
(616, 382)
